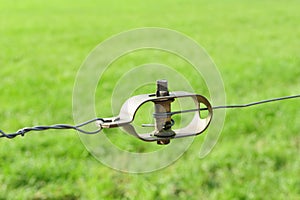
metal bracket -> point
(162, 100)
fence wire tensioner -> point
(162, 115)
(162, 100)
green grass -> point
(255, 45)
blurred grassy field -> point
(255, 45)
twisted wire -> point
(78, 127)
